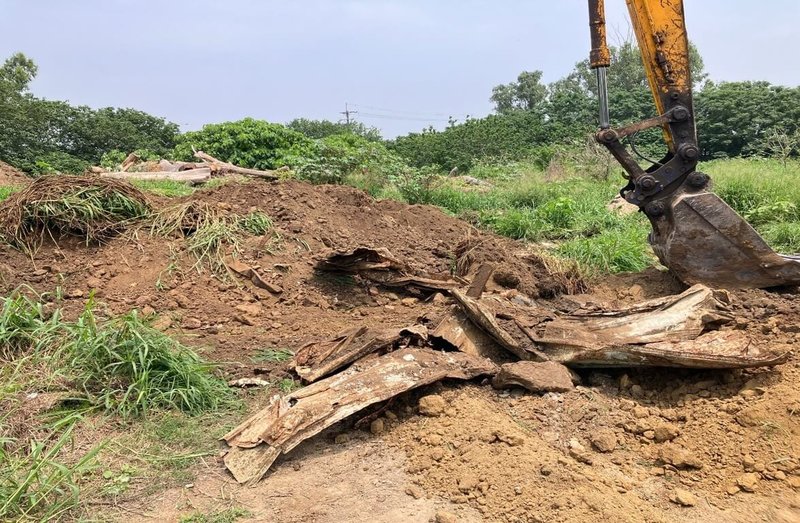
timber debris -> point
(518, 341)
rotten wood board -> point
(225, 167)
(455, 329)
(665, 332)
(668, 319)
(289, 420)
(315, 360)
(381, 266)
(191, 176)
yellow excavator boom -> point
(695, 234)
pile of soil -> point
(636, 445)
(11, 176)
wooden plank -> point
(289, 420)
(479, 282)
(191, 176)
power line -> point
(399, 111)
(404, 118)
(347, 112)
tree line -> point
(532, 120)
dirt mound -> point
(12, 176)
(619, 447)
(237, 319)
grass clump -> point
(88, 207)
(273, 356)
(168, 188)
(6, 191)
(228, 515)
(35, 485)
(127, 367)
(121, 365)
(611, 251)
(209, 231)
(783, 237)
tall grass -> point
(35, 485)
(127, 367)
(121, 365)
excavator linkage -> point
(695, 234)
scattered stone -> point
(545, 470)
(377, 426)
(75, 293)
(640, 412)
(665, 432)
(749, 418)
(148, 311)
(162, 323)
(468, 483)
(341, 438)
(604, 440)
(250, 309)
(683, 497)
(679, 457)
(732, 490)
(415, 491)
(578, 452)
(244, 319)
(794, 482)
(748, 481)
(248, 382)
(93, 282)
(748, 463)
(191, 323)
(443, 516)
(549, 376)
(409, 302)
(432, 405)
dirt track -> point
(491, 455)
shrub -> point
(248, 143)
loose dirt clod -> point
(546, 376)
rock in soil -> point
(604, 440)
(748, 481)
(679, 458)
(683, 497)
(433, 405)
(446, 517)
(534, 376)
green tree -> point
(528, 93)
(323, 128)
(734, 118)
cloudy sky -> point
(403, 64)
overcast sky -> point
(403, 64)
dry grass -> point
(89, 207)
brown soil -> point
(492, 455)
(12, 176)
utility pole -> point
(347, 112)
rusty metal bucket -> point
(702, 240)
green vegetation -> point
(34, 484)
(273, 355)
(247, 143)
(91, 208)
(118, 366)
(209, 231)
(228, 515)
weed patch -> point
(90, 208)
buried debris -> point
(289, 420)
(675, 331)
(382, 267)
(192, 173)
(317, 359)
(363, 366)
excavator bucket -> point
(702, 240)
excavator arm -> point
(695, 234)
